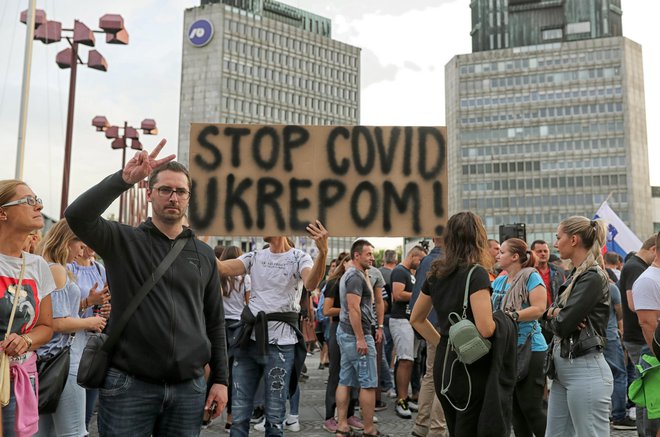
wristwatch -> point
(515, 316)
(381, 326)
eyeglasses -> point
(30, 200)
(166, 192)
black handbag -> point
(95, 359)
(587, 341)
(53, 370)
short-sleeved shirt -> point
(332, 292)
(86, 277)
(354, 282)
(612, 325)
(632, 269)
(646, 290)
(276, 287)
(38, 283)
(447, 293)
(500, 288)
(400, 274)
(235, 302)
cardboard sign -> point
(357, 180)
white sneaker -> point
(632, 413)
(401, 409)
(260, 426)
(391, 393)
(412, 406)
(293, 426)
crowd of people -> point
(477, 337)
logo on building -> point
(200, 32)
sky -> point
(405, 46)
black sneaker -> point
(401, 409)
(626, 423)
(257, 415)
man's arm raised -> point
(312, 277)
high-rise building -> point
(264, 62)
(554, 124)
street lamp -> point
(147, 126)
(48, 31)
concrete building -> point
(551, 126)
(264, 62)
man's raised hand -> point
(143, 163)
(319, 234)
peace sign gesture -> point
(143, 163)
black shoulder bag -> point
(95, 358)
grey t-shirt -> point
(354, 282)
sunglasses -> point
(30, 200)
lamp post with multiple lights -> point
(49, 31)
(137, 210)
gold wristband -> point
(27, 339)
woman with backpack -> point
(580, 396)
(521, 294)
(466, 256)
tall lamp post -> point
(48, 31)
(120, 141)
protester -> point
(94, 297)
(20, 214)
(580, 396)
(179, 326)
(358, 331)
(494, 251)
(646, 298)
(59, 248)
(430, 420)
(332, 308)
(235, 295)
(521, 294)
(275, 346)
(403, 281)
(466, 244)
(390, 259)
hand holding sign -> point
(143, 163)
(320, 235)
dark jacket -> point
(179, 326)
(557, 279)
(590, 297)
(495, 417)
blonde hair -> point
(55, 245)
(8, 189)
(593, 235)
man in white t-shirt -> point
(274, 347)
(646, 298)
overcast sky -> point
(405, 46)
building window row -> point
(546, 130)
(541, 96)
(550, 112)
(493, 221)
(560, 60)
(545, 165)
(544, 183)
(286, 79)
(293, 116)
(290, 43)
(609, 143)
(546, 201)
(540, 78)
(343, 107)
(260, 54)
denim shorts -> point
(359, 371)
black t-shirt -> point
(401, 310)
(447, 294)
(632, 332)
(332, 291)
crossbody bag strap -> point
(467, 291)
(142, 293)
(16, 296)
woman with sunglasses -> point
(20, 214)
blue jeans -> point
(131, 407)
(276, 369)
(614, 356)
(69, 418)
(357, 370)
(9, 412)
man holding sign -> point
(271, 343)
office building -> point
(551, 125)
(264, 62)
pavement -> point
(312, 412)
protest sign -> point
(357, 180)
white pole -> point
(25, 92)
